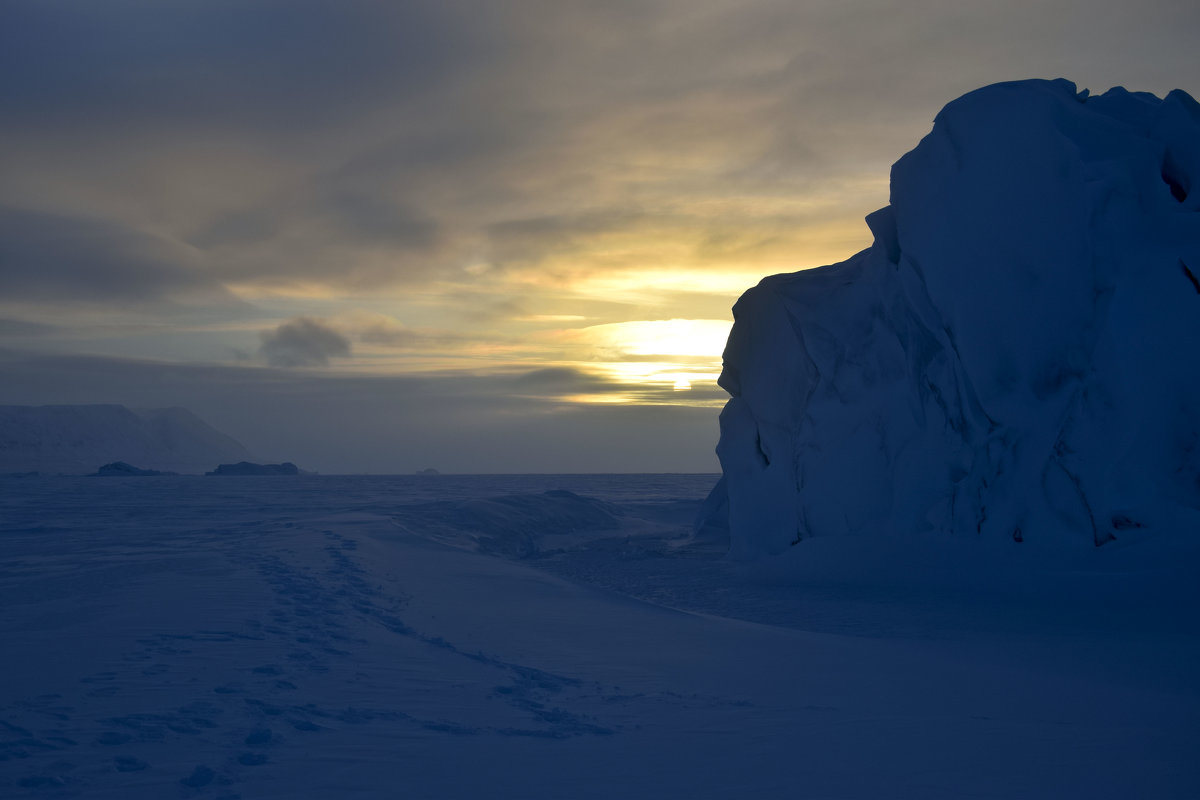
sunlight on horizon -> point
(669, 337)
(663, 360)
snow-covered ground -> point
(475, 637)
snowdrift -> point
(77, 440)
(1014, 356)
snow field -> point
(367, 637)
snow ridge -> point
(1014, 356)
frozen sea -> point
(566, 637)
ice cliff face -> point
(1017, 354)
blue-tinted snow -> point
(467, 637)
(1014, 357)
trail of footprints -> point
(239, 721)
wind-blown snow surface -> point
(565, 637)
(77, 440)
(1015, 356)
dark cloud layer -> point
(397, 142)
(53, 258)
(303, 342)
(22, 328)
(213, 63)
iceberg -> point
(1015, 354)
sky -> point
(497, 236)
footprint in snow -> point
(99, 677)
(201, 776)
(258, 737)
(112, 738)
(305, 725)
(129, 764)
(264, 707)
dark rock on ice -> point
(119, 469)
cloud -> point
(55, 259)
(559, 381)
(478, 170)
(323, 217)
(387, 331)
(361, 145)
(19, 328)
(575, 387)
(271, 64)
(458, 423)
(303, 342)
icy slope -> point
(1014, 356)
(76, 440)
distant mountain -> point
(76, 440)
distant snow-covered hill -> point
(76, 440)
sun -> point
(665, 337)
(657, 362)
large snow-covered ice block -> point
(1016, 355)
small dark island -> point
(120, 469)
(249, 468)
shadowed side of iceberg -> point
(1012, 357)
